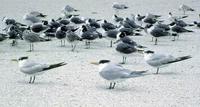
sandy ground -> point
(79, 84)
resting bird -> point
(115, 73)
(161, 60)
(33, 68)
(185, 8)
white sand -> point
(79, 84)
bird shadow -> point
(166, 73)
(40, 83)
(116, 89)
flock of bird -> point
(75, 29)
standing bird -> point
(68, 10)
(33, 68)
(156, 32)
(117, 7)
(61, 34)
(115, 73)
(111, 35)
(185, 8)
(32, 38)
(73, 39)
(33, 17)
(179, 29)
(125, 50)
(161, 60)
(108, 26)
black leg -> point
(156, 41)
(74, 47)
(152, 39)
(30, 79)
(33, 79)
(157, 70)
(110, 87)
(32, 47)
(113, 85)
(111, 43)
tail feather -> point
(55, 66)
(180, 59)
(184, 17)
(138, 72)
(190, 31)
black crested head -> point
(63, 28)
(104, 61)
(149, 52)
(148, 25)
(122, 34)
(84, 28)
(89, 20)
(23, 58)
(45, 22)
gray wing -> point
(112, 72)
(31, 37)
(32, 68)
(159, 59)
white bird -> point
(32, 38)
(115, 73)
(33, 68)
(173, 18)
(161, 60)
(117, 6)
(67, 10)
(185, 8)
(33, 17)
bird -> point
(179, 29)
(117, 18)
(68, 10)
(173, 18)
(32, 38)
(185, 8)
(61, 34)
(161, 60)
(93, 23)
(108, 26)
(89, 34)
(197, 23)
(37, 14)
(38, 28)
(10, 21)
(33, 68)
(125, 50)
(115, 73)
(156, 32)
(76, 20)
(118, 6)
(33, 17)
(73, 39)
(111, 35)
(125, 39)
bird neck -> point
(22, 63)
(147, 56)
(102, 66)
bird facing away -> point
(185, 8)
(161, 60)
(115, 73)
(33, 68)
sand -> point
(78, 84)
